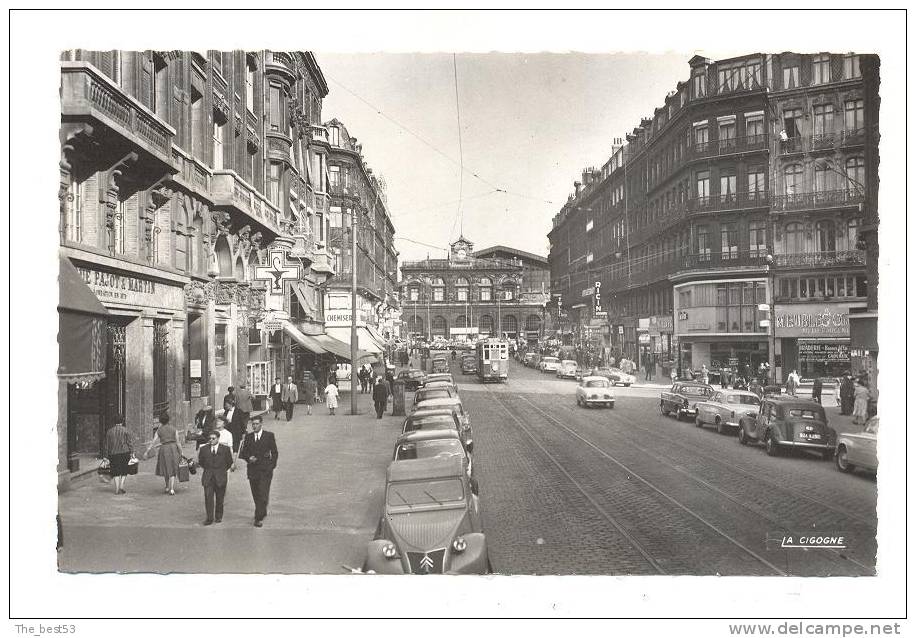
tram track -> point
(841, 559)
(685, 528)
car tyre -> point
(697, 421)
(661, 407)
(626, 385)
(720, 427)
(742, 435)
(841, 459)
(772, 447)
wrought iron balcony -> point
(723, 260)
(852, 137)
(819, 259)
(822, 141)
(87, 93)
(728, 201)
(791, 146)
(320, 135)
(714, 148)
(819, 199)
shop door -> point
(116, 375)
(160, 368)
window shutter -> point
(146, 82)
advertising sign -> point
(816, 320)
(822, 352)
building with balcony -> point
(358, 195)
(498, 291)
(750, 156)
(184, 177)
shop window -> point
(219, 344)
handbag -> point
(184, 474)
(104, 471)
(133, 465)
(192, 464)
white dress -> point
(332, 393)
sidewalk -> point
(326, 498)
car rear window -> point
(436, 448)
(430, 422)
(744, 399)
(435, 393)
(596, 383)
(804, 413)
(695, 390)
(549, 359)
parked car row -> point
(431, 520)
(778, 422)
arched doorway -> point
(486, 325)
(223, 257)
(510, 326)
(440, 326)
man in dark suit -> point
(236, 422)
(216, 461)
(260, 452)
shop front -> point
(814, 339)
(655, 343)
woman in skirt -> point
(331, 393)
(169, 453)
(309, 391)
(119, 449)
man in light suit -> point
(216, 461)
(289, 396)
(259, 450)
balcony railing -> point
(228, 189)
(85, 91)
(729, 146)
(822, 141)
(818, 259)
(728, 201)
(729, 259)
(852, 137)
(792, 145)
(320, 134)
(815, 200)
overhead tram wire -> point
(381, 113)
(459, 214)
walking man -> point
(289, 396)
(380, 396)
(276, 397)
(216, 460)
(816, 389)
(234, 424)
(260, 452)
(243, 401)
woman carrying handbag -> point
(119, 450)
(169, 453)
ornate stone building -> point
(498, 291)
(181, 174)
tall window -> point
(753, 77)
(790, 77)
(852, 233)
(699, 85)
(413, 292)
(727, 80)
(822, 177)
(703, 247)
(438, 287)
(756, 183)
(75, 211)
(461, 289)
(825, 236)
(855, 175)
(508, 291)
(754, 129)
(793, 180)
(795, 239)
(197, 123)
(854, 116)
(486, 289)
(823, 122)
(486, 324)
(275, 109)
(727, 130)
(219, 345)
(757, 240)
(703, 184)
(273, 184)
(701, 137)
(334, 135)
(820, 69)
(249, 84)
(792, 121)
(851, 67)
(161, 93)
(727, 187)
(334, 172)
(219, 139)
(729, 236)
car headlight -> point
(607, 396)
(459, 544)
(390, 551)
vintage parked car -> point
(788, 422)
(858, 449)
(683, 397)
(567, 369)
(548, 364)
(437, 391)
(618, 376)
(469, 365)
(431, 522)
(434, 444)
(412, 379)
(450, 403)
(439, 376)
(594, 391)
(725, 407)
(531, 359)
(440, 364)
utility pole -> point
(354, 337)
(771, 329)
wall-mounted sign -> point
(131, 290)
(682, 315)
(824, 352)
(195, 368)
(822, 320)
(587, 292)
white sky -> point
(529, 124)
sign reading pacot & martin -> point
(112, 287)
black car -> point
(412, 379)
(788, 423)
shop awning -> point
(366, 341)
(83, 335)
(302, 294)
(306, 341)
(379, 340)
(342, 348)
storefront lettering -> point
(814, 321)
(117, 282)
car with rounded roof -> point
(531, 359)
(787, 422)
(437, 391)
(439, 444)
(548, 364)
(439, 364)
(568, 369)
(469, 364)
(412, 379)
(431, 522)
(682, 398)
(440, 376)
(594, 390)
(725, 407)
(858, 449)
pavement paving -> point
(326, 498)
